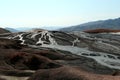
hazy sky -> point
(24, 13)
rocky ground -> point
(54, 55)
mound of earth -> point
(69, 73)
(55, 55)
(101, 31)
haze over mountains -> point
(104, 24)
(20, 29)
(101, 24)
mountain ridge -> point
(106, 24)
(2, 30)
(11, 29)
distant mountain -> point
(52, 27)
(104, 24)
(4, 31)
(23, 28)
(34, 27)
(11, 29)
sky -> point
(40, 13)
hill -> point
(4, 31)
(104, 24)
(11, 29)
(53, 55)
